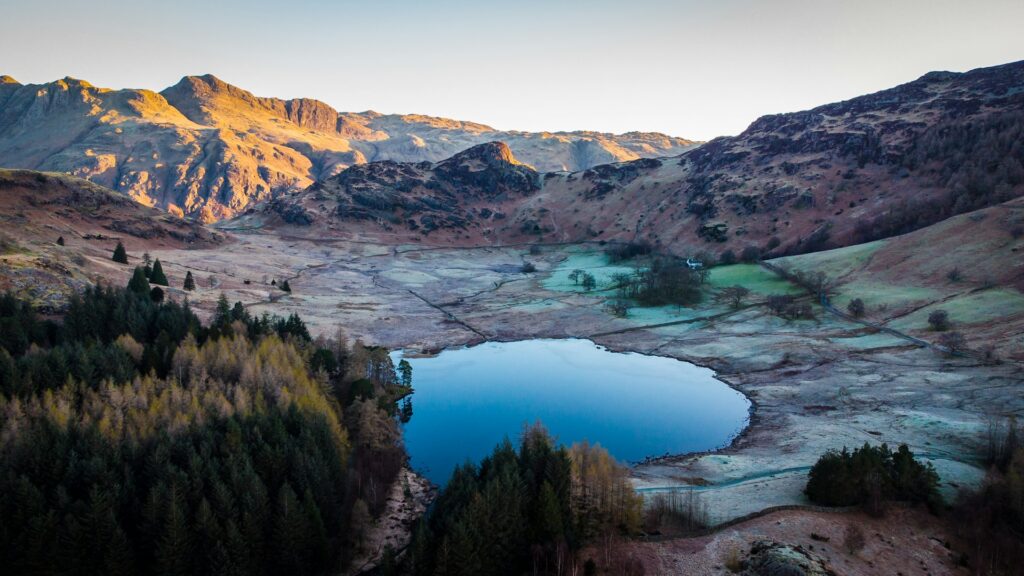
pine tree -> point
(222, 315)
(138, 284)
(291, 534)
(190, 282)
(120, 254)
(405, 370)
(60, 241)
(157, 276)
(173, 551)
(405, 414)
(285, 286)
(550, 523)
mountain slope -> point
(867, 168)
(37, 209)
(209, 150)
(466, 192)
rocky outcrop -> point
(773, 559)
(459, 193)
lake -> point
(468, 399)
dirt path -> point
(905, 541)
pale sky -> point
(696, 69)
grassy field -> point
(595, 263)
(976, 308)
(751, 276)
(834, 263)
(869, 341)
(875, 294)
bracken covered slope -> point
(867, 168)
(208, 149)
(58, 232)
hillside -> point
(840, 174)
(37, 209)
(207, 149)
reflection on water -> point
(636, 406)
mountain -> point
(460, 193)
(867, 168)
(207, 149)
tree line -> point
(523, 509)
(135, 439)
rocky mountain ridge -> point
(871, 167)
(207, 149)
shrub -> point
(785, 306)
(939, 320)
(853, 538)
(750, 254)
(855, 307)
(588, 281)
(619, 307)
(733, 560)
(628, 251)
(732, 295)
(954, 275)
(727, 257)
(681, 510)
(528, 268)
(991, 519)
(953, 342)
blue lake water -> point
(636, 406)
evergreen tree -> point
(120, 254)
(190, 282)
(173, 552)
(405, 413)
(291, 534)
(405, 371)
(239, 313)
(285, 286)
(183, 488)
(222, 315)
(60, 240)
(139, 284)
(157, 276)
(156, 294)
